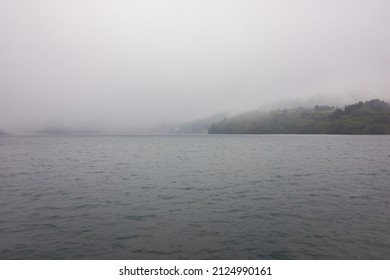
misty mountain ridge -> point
(287, 116)
(369, 117)
(198, 126)
(326, 99)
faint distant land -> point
(199, 126)
(65, 131)
(370, 117)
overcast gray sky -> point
(123, 63)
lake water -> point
(195, 197)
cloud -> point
(140, 63)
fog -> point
(123, 65)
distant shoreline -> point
(362, 118)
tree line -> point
(369, 117)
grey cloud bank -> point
(130, 64)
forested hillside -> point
(370, 117)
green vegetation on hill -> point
(370, 117)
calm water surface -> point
(195, 197)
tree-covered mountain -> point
(370, 117)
